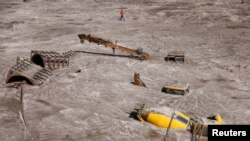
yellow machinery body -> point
(163, 117)
(179, 120)
(218, 119)
(176, 88)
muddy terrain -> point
(95, 103)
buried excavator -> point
(166, 117)
(138, 53)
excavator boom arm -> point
(106, 43)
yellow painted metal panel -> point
(218, 119)
(176, 88)
(163, 121)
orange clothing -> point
(122, 13)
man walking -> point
(122, 18)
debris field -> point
(85, 91)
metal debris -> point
(175, 56)
(69, 53)
(138, 54)
(49, 59)
(24, 70)
(138, 81)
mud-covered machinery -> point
(69, 53)
(199, 126)
(175, 56)
(178, 88)
(163, 117)
(24, 70)
(138, 81)
(50, 59)
(166, 117)
(36, 70)
(138, 54)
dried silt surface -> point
(95, 103)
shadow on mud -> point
(104, 54)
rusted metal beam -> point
(139, 54)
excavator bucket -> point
(138, 81)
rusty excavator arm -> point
(139, 54)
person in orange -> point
(122, 18)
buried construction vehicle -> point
(165, 117)
(24, 70)
(50, 59)
(36, 70)
(178, 88)
(138, 54)
(138, 81)
(175, 56)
